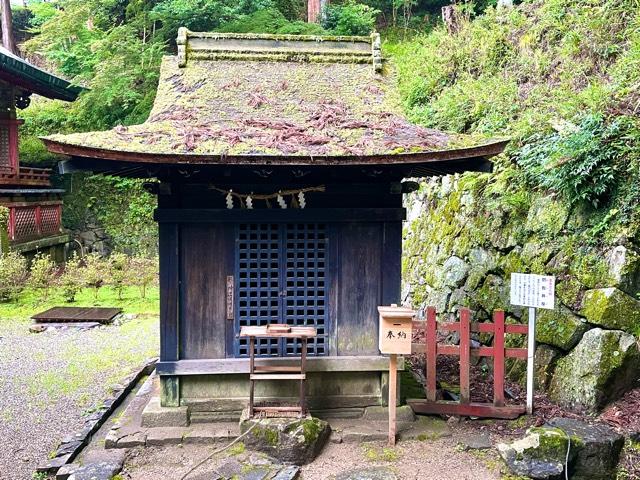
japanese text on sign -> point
(528, 290)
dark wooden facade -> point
(353, 265)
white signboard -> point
(528, 290)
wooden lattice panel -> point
(304, 303)
(25, 223)
(49, 219)
(280, 278)
(5, 150)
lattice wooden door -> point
(281, 278)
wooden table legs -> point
(278, 373)
(303, 379)
(252, 382)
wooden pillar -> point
(393, 390)
(314, 10)
(169, 310)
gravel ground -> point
(429, 460)
(48, 381)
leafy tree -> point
(144, 272)
(119, 272)
(71, 281)
(13, 275)
(95, 272)
(43, 274)
(350, 18)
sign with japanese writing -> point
(528, 290)
(395, 330)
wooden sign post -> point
(394, 339)
(533, 291)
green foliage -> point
(42, 274)
(582, 162)
(202, 15)
(71, 281)
(13, 275)
(95, 272)
(144, 273)
(120, 205)
(119, 272)
(349, 18)
(271, 20)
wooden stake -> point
(393, 391)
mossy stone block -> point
(611, 308)
(602, 367)
(560, 327)
(547, 216)
(295, 441)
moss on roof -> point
(286, 106)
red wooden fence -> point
(464, 351)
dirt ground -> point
(424, 460)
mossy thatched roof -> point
(235, 103)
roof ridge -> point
(301, 48)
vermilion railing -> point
(432, 348)
(29, 221)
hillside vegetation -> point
(561, 78)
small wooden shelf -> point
(277, 368)
(277, 372)
(277, 376)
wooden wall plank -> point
(391, 272)
(169, 241)
(206, 259)
(360, 287)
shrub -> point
(13, 275)
(580, 162)
(349, 18)
(95, 272)
(43, 274)
(118, 272)
(271, 20)
(144, 272)
(71, 281)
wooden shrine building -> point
(35, 208)
(280, 162)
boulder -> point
(482, 260)
(597, 448)
(611, 308)
(454, 271)
(494, 294)
(587, 452)
(624, 269)
(541, 454)
(294, 441)
(602, 367)
(544, 363)
(559, 327)
(547, 216)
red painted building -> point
(35, 207)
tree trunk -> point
(450, 18)
(8, 41)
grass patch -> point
(375, 454)
(30, 302)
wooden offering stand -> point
(277, 372)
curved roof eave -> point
(489, 149)
(19, 72)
